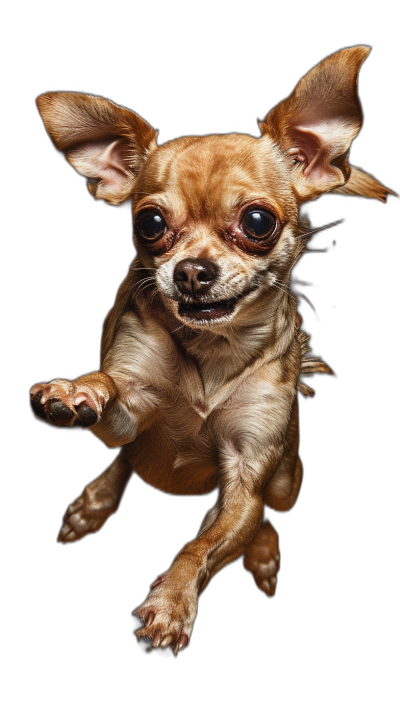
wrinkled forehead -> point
(211, 175)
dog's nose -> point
(194, 276)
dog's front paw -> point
(64, 403)
(168, 614)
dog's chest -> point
(200, 404)
(177, 452)
(180, 452)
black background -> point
(332, 609)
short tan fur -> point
(202, 352)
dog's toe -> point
(138, 622)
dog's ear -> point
(104, 142)
(317, 123)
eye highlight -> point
(150, 225)
(258, 224)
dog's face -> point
(216, 217)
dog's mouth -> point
(207, 310)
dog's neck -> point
(225, 351)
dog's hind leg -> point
(262, 556)
(100, 498)
(283, 489)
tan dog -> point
(202, 352)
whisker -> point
(153, 295)
(148, 277)
(320, 228)
(143, 284)
(229, 324)
(301, 295)
(134, 269)
(194, 323)
(179, 328)
(285, 291)
(144, 280)
(281, 286)
(136, 295)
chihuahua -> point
(202, 352)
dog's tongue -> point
(206, 311)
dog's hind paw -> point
(87, 514)
(62, 403)
(262, 558)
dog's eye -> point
(258, 223)
(150, 225)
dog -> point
(202, 352)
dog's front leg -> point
(171, 607)
(250, 449)
(115, 411)
(98, 400)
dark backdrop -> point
(333, 598)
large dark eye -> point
(150, 225)
(258, 223)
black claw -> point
(37, 407)
(147, 639)
(59, 413)
(86, 416)
(138, 623)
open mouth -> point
(207, 310)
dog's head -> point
(216, 217)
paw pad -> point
(38, 407)
(58, 413)
(86, 416)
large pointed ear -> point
(317, 123)
(104, 142)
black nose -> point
(194, 276)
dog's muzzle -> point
(194, 278)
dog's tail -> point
(308, 364)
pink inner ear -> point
(102, 160)
(312, 150)
(316, 143)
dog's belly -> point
(176, 453)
